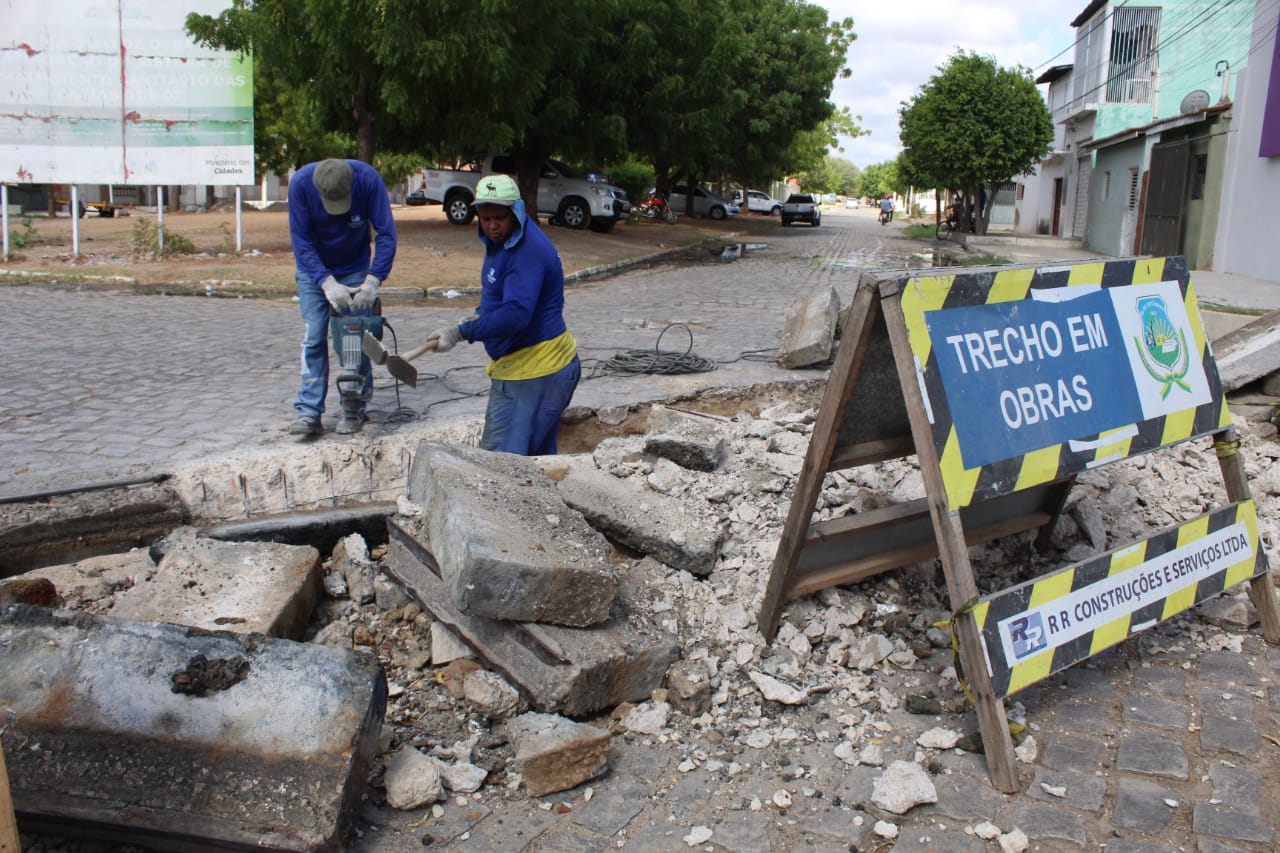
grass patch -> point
(920, 231)
(22, 239)
(146, 241)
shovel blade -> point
(402, 370)
(396, 366)
(373, 348)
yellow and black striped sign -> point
(1009, 362)
(1043, 626)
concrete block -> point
(810, 329)
(573, 671)
(272, 756)
(1249, 352)
(672, 530)
(555, 754)
(246, 587)
(690, 442)
(506, 544)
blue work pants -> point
(523, 415)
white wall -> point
(1246, 233)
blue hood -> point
(522, 217)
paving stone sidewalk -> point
(1153, 746)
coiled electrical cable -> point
(657, 360)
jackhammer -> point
(348, 339)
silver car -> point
(704, 203)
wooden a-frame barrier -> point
(1006, 383)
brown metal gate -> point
(1166, 199)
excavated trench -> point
(337, 483)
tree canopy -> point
(878, 179)
(974, 125)
(696, 87)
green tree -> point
(810, 147)
(846, 176)
(878, 179)
(974, 125)
(351, 77)
(697, 87)
(722, 88)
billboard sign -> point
(114, 91)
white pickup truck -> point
(801, 207)
(564, 196)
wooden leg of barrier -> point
(8, 822)
(1262, 589)
(1002, 764)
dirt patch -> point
(431, 252)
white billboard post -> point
(115, 92)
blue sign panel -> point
(1032, 373)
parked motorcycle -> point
(656, 207)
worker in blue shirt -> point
(336, 207)
(534, 367)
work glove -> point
(339, 296)
(366, 295)
(446, 338)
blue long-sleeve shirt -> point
(522, 291)
(325, 245)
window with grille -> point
(1133, 188)
(1134, 33)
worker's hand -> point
(445, 338)
(367, 294)
(338, 295)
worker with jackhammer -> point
(534, 367)
(336, 208)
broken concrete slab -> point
(267, 748)
(1249, 352)
(65, 528)
(809, 331)
(573, 671)
(507, 546)
(245, 587)
(674, 531)
(91, 584)
(555, 754)
(690, 442)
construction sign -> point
(1027, 384)
(1043, 626)
(1005, 383)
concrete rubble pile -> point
(644, 564)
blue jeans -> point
(315, 345)
(524, 414)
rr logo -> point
(1027, 636)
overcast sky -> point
(901, 43)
